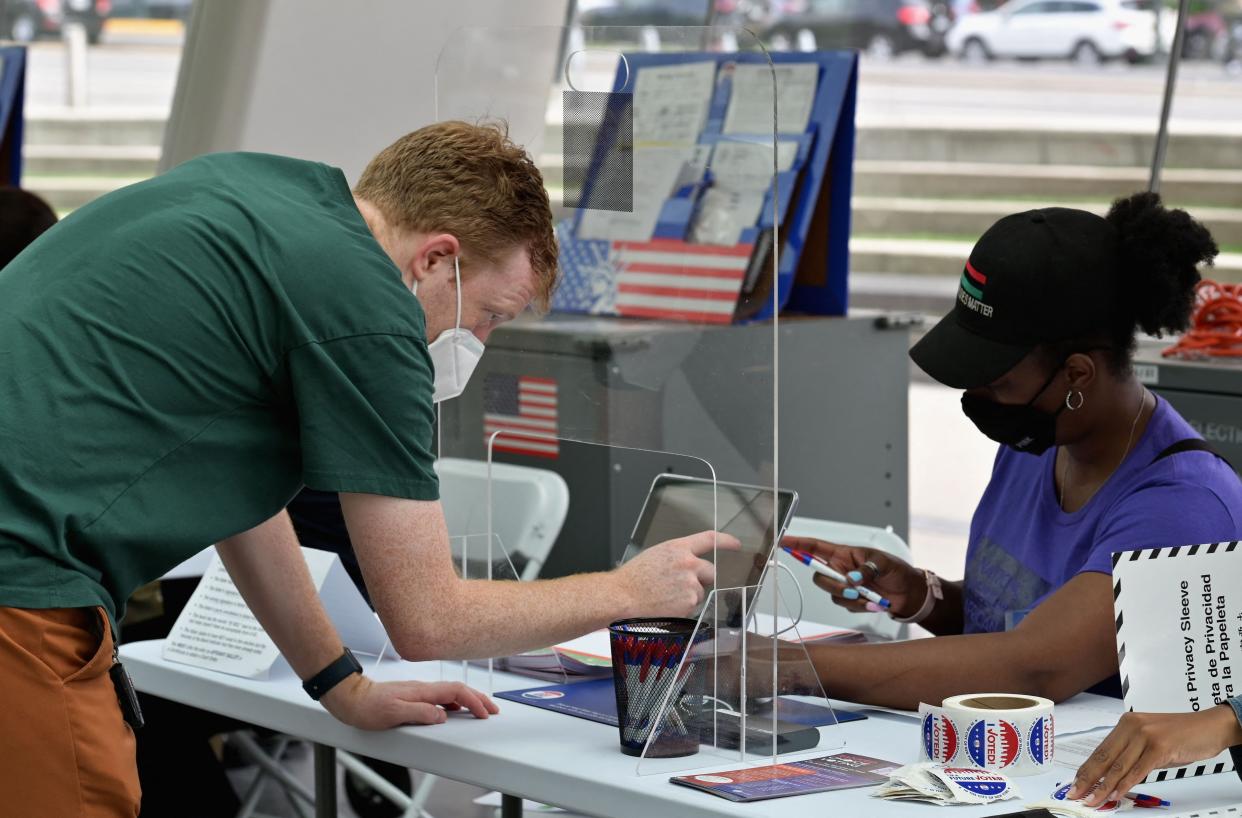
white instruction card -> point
(671, 102)
(1179, 631)
(750, 102)
(217, 631)
(657, 173)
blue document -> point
(596, 700)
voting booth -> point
(670, 167)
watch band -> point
(934, 594)
(332, 675)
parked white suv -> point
(1088, 31)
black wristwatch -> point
(332, 675)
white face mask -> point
(454, 353)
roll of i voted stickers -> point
(1007, 733)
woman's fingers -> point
(845, 597)
(1094, 768)
(1120, 769)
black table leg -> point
(325, 782)
(510, 806)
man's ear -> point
(433, 251)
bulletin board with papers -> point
(12, 103)
(709, 193)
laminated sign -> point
(1179, 627)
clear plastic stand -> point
(749, 690)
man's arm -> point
(267, 567)
(430, 613)
(1064, 646)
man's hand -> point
(670, 579)
(897, 580)
(1142, 742)
(369, 705)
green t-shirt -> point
(180, 357)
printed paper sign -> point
(1179, 627)
(217, 631)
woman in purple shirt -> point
(1041, 339)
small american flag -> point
(665, 278)
(523, 409)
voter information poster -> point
(1179, 633)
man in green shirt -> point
(180, 357)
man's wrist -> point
(337, 700)
(621, 601)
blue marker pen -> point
(820, 567)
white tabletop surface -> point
(573, 763)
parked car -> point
(27, 20)
(1207, 35)
(881, 28)
(1086, 31)
(646, 13)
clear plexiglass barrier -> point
(650, 386)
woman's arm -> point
(1142, 742)
(1064, 646)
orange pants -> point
(65, 750)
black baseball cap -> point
(1037, 277)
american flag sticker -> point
(665, 278)
(523, 410)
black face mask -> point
(1021, 427)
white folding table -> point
(557, 759)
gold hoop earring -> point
(1069, 404)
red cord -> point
(1216, 325)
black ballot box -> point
(613, 402)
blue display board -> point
(12, 118)
(813, 206)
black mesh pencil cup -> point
(647, 671)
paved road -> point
(912, 90)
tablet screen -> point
(678, 506)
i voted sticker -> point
(939, 737)
(993, 743)
(543, 694)
(1062, 794)
(1040, 740)
(978, 782)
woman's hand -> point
(1142, 742)
(369, 705)
(901, 583)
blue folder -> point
(595, 700)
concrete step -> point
(1055, 183)
(112, 128)
(65, 193)
(944, 260)
(880, 216)
(136, 161)
(1060, 146)
(1060, 143)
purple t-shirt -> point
(1023, 546)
